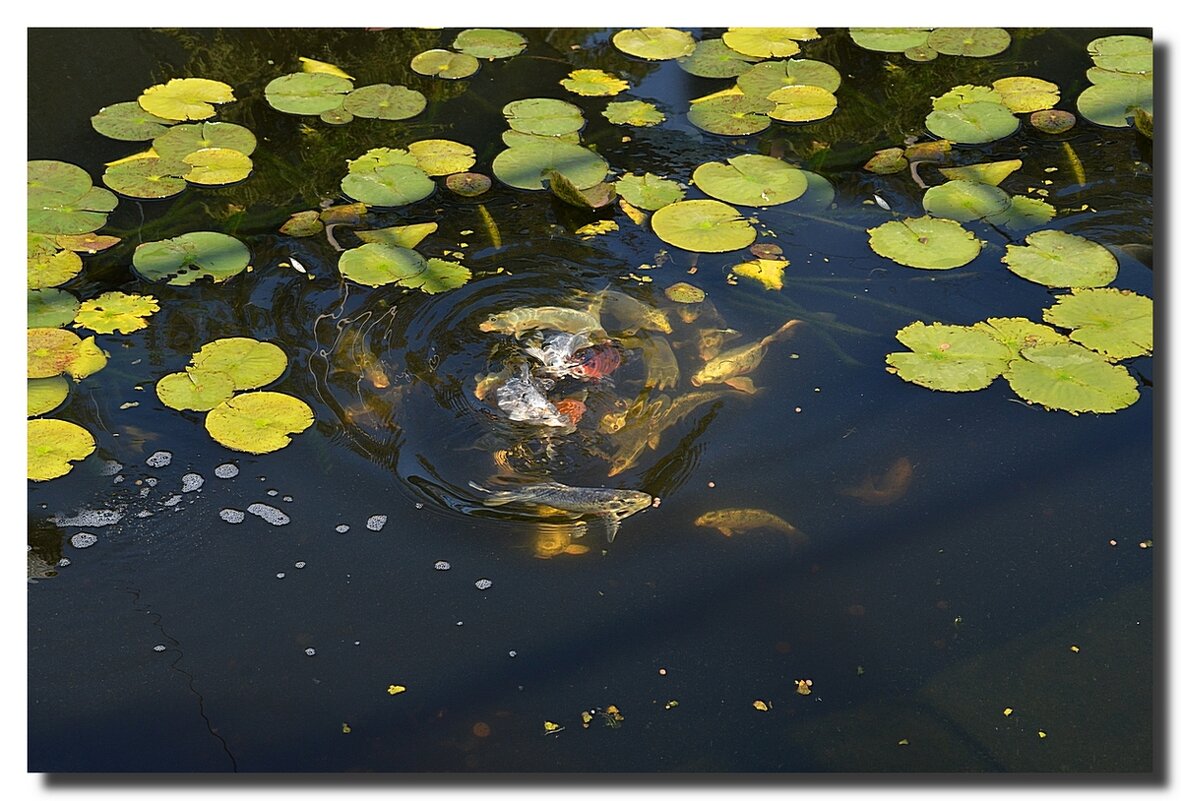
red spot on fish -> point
(573, 409)
(599, 362)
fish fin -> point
(612, 527)
(726, 532)
(742, 384)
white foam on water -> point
(191, 481)
(269, 513)
(232, 515)
(172, 501)
(159, 459)
(91, 518)
(226, 470)
(483, 584)
(441, 565)
(110, 467)
(83, 539)
(376, 522)
(342, 528)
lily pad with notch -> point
(965, 201)
(392, 185)
(525, 166)
(801, 103)
(185, 259)
(442, 63)
(489, 43)
(951, 358)
(762, 79)
(639, 113)
(382, 101)
(53, 268)
(194, 389)
(731, 114)
(185, 98)
(768, 42)
(250, 363)
(1024, 94)
(974, 42)
(702, 226)
(544, 116)
(713, 58)
(1068, 377)
(50, 308)
(148, 178)
(655, 44)
(53, 446)
(928, 243)
(116, 311)
(181, 140)
(649, 192)
(258, 422)
(1115, 323)
(593, 83)
(1058, 259)
(751, 180)
(128, 122)
(442, 156)
(217, 166)
(53, 351)
(46, 394)
(307, 92)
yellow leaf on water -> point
(634, 214)
(1008, 711)
(551, 727)
(394, 689)
(345, 728)
(599, 227)
(768, 272)
(586, 719)
(311, 65)
(150, 153)
(761, 705)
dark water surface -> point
(918, 623)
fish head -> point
(707, 519)
(627, 502)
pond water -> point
(349, 602)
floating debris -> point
(395, 689)
(804, 686)
(761, 705)
(226, 470)
(272, 492)
(232, 515)
(441, 565)
(158, 648)
(376, 523)
(342, 528)
(552, 728)
(159, 459)
(63, 562)
(269, 513)
(191, 481)
(280, 575)
(300, 565)
(83, 539)
(483, 584)
(310, 651)
(90, 518)
(172, 500)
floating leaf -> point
(128, 122)
(393, 185)
(248, 362)
(543, 116)
(633, 112)
(593, 83)
(801, 103)
(655, 44)
(181, 140)
(307, 92)
(376, 157)
(469, 184)
(53, 268)
(258, 422)
(378, 264)
(1023, 214)
(1070, 378)
(442, 156)
(311, 65)
(1112, 101)
(215, 166)
(196, 390)
(439, 276)
(682, 292)
(46, 394)
(513, 138)
(1023, 94)
(524, 167)
(649, 191)
(403, 236)
(345, 213)
(53, 351)
(52, 183)
(819, 195)
(965, 200)
(929, 243)
(381, 101)
(185, 98)
(731, 114)
(1052, 121)
(445, 64)
(953, 358)
(767, 42)
(1131, 54)
(768, 272)
(1016, 333)
(928, 151)
(1116, 323)
(921, 53)
(887, 161)
(116, 311)
(86, 243)
(88, 360)
(53, 445)
(596, 228)
(489, 43)
(60, 203)
(713, 58)
(187, 258)
(594, 197)
(763, 79)
(1059, 259)
(890, 40)
(973, 123)
(977, 42)
(751, 180)
(302, 223)
(990, 172)
(50, 308)
(148, 178)
(1142, 119)
(703, 226)
(966, 93)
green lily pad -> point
(469, 184)
(53, 351)
(976, 42)
(258, 422)
(973, 123)
(445, 64)
(440, 275)
(1113, 101)
(819, 196)
(402, 236)
(53, 445)
(767, 42)
(393, 185)
(1070, 378)
(921, 54)
(489, 43)
(148, 178)
(801, 103)
(381, 101)
(751, 180)
(649, 192)
(189, 257)
(544, 116)
(763, 79)
(185, 98)
(216, 166)
(890, 40)
(965, 200)
(713, 58)
(52, 269)
(966, 93)
(336, 116)
(376, 157)
(378, 264)
(989, 172)
(1024, 214)
(731, 115)
(593, 83)
(442, 156)
(128, 122)
(50, 308)
(513, 138)
(952, 358)
(1116, 323)
(249, 363)
(639, 113)
(1131, 54)
(307, 92)
(1016, 333)
(195, 390)
(62, 199)
(593, 197)
(655, 44)
(116, 311)
(55, 183)
(524, 167)
(1059, 259)
(46, 394)
(682, 292)
(1022, 93)
(1052, 121)
(702, 226)
(181, 140)
(928, 243)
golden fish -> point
(660, 363)
(884, 489)
(602, 503)
(651, 421)
(735, 521)
(632, 314)
(550, 318)
(710, 341)
(730, 367)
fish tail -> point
(782, 332)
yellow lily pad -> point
(46, 394)
(116, 311)
(195, 389)
(185, 98)
(442, 156)
(594, 83)
(258, 422)
(53, 445)
(312, 65)
(768, 272)
(249, 362)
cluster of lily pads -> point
(222, 379)
(927, 44)
(324, 90)
(64, 210)
(53, 353)
(1121, 83)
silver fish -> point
(609, 505)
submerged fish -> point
(734, 521)
(633, 315)
(553, 318)
(886, 488)
(711, 340)
(730, 367)
(523, 399)
(598, 362)
(609, 505)
(644, 428)
(556, 353)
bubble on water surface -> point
(300, 565)
(280, 575)
(272, 493)
(91, 518)
(110, 467)
(310, 651)
(172, 500)
(83, 539)
(376, 522)
(232, 515)
(288, 499)
(159, 459)
(144, 513)
(226, 470)
(158, 648)
(441, 565)
(191, 481)
(151, 482)
(483, 584)
(269, 513)
(63, 562)
(342, 528)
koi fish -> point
(730, 367)
(554, 318)
(734, 521)
(609, 505)
(599, 362)
(634, 315)
(884, 489)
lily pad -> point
(513, 138)
(402, 236)
(181, 140)
(1052, 121)
(966, 93)
(53, 351)
(890, 40)
(312, 65)
(1116, 323)
(1131, 54)
(887, 161)
(149, 179)
(116, 311)
(639, 113)
(1070, 378)
(393, 185)
(990, 172)
(976, 42)
(649, 192)
(189, 257)
(381, 101)
(216, 166)
(1023, 214)
(767, 42)
(376, 157)
(751, 180)
(53, 445)
(440, 275)
(763, 79)
(445, 64)
(973, 123)
(593, 197)
(128, 122)
(248, 362)
(442, 156)
(952, 358)
(1113, 101)
(544, 116)
(1016, 333)
(682, 292)
(655, 44)
(307, 92)
(922, 53)
(1059, 259)
(378, 264)
(86, 243)
(46, 394)
(928, 243)
(1022, 93)
(258, 422)
(185, 98)
(965, 200)
(195, 390)
(768, 272)
(713, 58)
(50, 308)
(489, 43)
(53, 268)
(302, 223)
(593, 83)
(702, 226)
(524, 167)
(731, 114)
(801, 103)
(62, 200)
(469, 184)
(55, 182)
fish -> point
(735, 521)
(523, 399)
(633, 315)
(602, 503)
(650, 421)
(599, 362)
(556, 353)
(886, 488)
(730, 367)
(553, 318)
(572, 409)
(711, 340)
